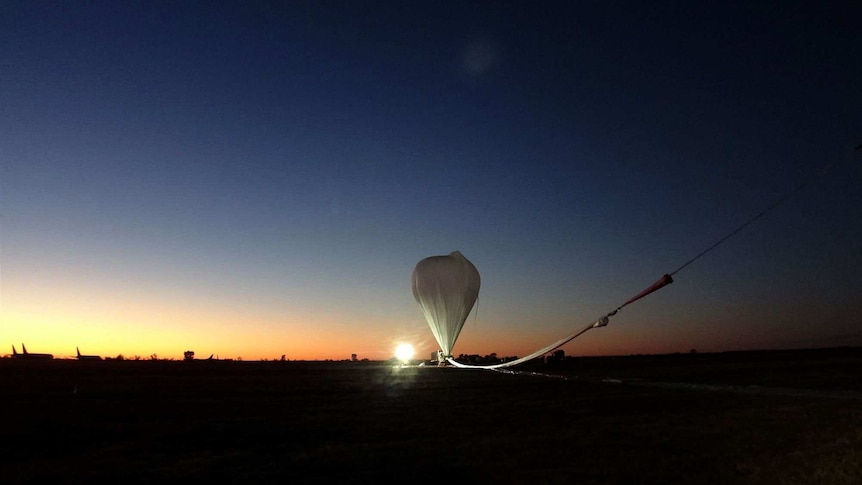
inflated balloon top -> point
(446, 287)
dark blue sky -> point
(262, 177)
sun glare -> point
(404, 352)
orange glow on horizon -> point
(168, 324)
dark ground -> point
(265, 422)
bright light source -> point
(404, 352)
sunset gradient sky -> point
(260, 178)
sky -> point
(257, 179)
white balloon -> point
(446, 287)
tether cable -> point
(765, 211)
(662, 282)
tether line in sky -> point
(663, 281)
(765, 211)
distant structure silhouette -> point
(87, 357)
(189, 355)
(27, 355)
(558, 355)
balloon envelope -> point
(446, 287)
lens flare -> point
(404, 352)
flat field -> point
(611, 420)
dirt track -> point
(294, 422)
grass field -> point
(319, 422)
